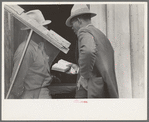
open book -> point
(62, 66)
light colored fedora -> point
(38, 16)
(78, 9)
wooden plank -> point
(142, 81)
(8, 49)
(137, 49)
(57, 37)
(39, 29)
(119, 36)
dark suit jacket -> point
(96, 62)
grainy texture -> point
(13, 37)
(19, 35)
(100, 19)
(137, 49)
(8, 48)
(124, 26)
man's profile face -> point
(75, 25)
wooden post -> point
(20, 62)
(137, 49)
(119, 36)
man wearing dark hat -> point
(96, 77)
(34, 74)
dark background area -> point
(58, 14)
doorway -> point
(58, 15)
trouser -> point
(81, 93)
(42, 93)
(96, 89)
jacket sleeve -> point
(87, 55)
(18, 86)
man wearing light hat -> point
(34, 74)
(96, 77)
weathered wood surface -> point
(55, 39)
(8, 48)
(123, 53)
(137, 49)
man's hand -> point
(73, 69)
(82, 81)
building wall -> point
(11, 41)
(8, 47)
(124, 26)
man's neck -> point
(84, 24)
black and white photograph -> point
(74, 60)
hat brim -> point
(68, 21)
(44, 23)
